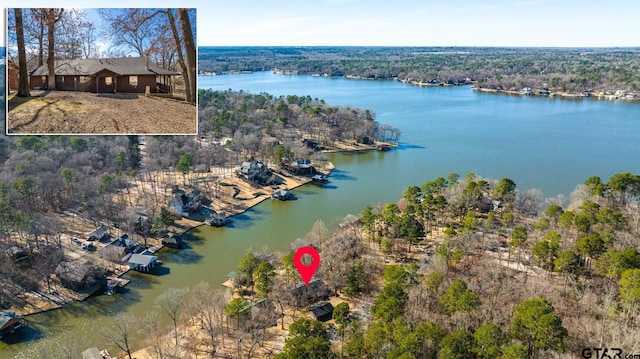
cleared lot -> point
(66, 112)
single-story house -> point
(322, 311)
(78, 276)
(99, 234)
(142, 262)
(305, 295)
(111, 75)
(12, 74)
(10, 322)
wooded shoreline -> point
(579, 71)
(602, 95)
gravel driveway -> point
(66, 112)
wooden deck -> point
(117, 282)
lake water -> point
(545, 143)
(550, 144)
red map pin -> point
(306, 271)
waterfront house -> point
(111, 75)
(142, 262)
(300, 166)
(10, 322)
(172, 242)
(322, 311)
(78, 276)
(99, 234)
(259, 173)
(217, 219)
(319, 179)
(118, 249)
(186, 204)
(282, 195)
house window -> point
(133, 80)
(107, 80)
(44, 79)
(84, 79)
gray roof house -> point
(305, 295)
(117, 249)
(186, 204)
(322, 311)
(126, 74)
(282, 195)
(98, 234)
(142, 262)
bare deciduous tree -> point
(120, 331)
(172, 302)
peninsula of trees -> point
(56, 188)
(578, 71)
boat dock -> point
(117, 282)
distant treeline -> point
(572, 70)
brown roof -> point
(88, 67)
(73, 272)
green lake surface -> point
(549, 144)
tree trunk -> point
(41, 39)
(190, 50)
(23, 84)
(51, 21)
(183, 67)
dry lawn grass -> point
(68, 112)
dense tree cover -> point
(457, 293)
(43, 174)
(566, 70)
(267, 127)
(470, 279)
(307, 339)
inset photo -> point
(101, 71)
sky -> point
(507, 23)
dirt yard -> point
(67, 112)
